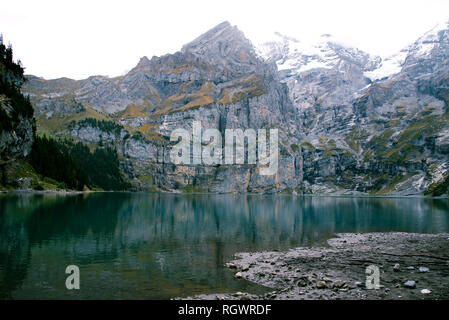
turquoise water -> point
(160, 246)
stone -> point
(321, 285)
(396, 267)
(423, 269)
(238, 275)
(231, 265)
(426, 291)
(339, 284)
(410, 284)
(303, 281)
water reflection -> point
(165, 245)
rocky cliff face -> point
(16, 112)
(216, 79)
(369, 126)
(348, 122)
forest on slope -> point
(30, 161)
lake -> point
(161, 246)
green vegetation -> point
(102, 166)
(60, 122)
(356, 137)
(49, 159)
(103, 125)
(307, 145)
(193, 189)
(13, 105)
(75, 166)
(438, 188)
(294, 147)
(387, 185)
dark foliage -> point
(11, 79)
(438, 188)
(103, 125)
(51, 160)
(101, 166)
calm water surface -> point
(159, 246)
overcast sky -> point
(78, 38)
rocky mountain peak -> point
(143, 62)
(222, 33)
(224, 46)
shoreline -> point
(412, 267)
(71, 192)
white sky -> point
(78, 38)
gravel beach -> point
(411, 267)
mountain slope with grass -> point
(349, 122)
(30, 161)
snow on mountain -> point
(327, 52)
(389, 66)
(420, 49)
(424, 45)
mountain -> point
(369, 126)
(349, 122)
(217, 79)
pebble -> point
(359, 284)
(321, 285)
(231, 265)
(410, 284)
(339, 284)
(245, 269)
(396, 267)
(410, 268)
(303, 281)
(425, 291)
(423, 269)
(238, 275)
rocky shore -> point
(412, 267)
